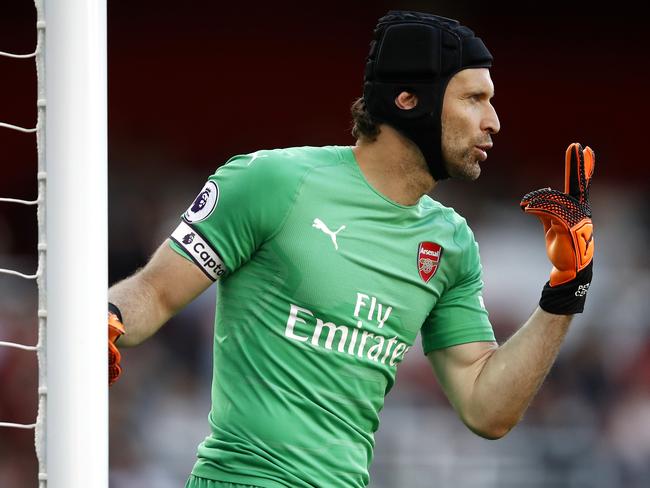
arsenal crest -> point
(429, 254)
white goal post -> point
(76, 275)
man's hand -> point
(115, 330)
(568, 228)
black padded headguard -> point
(418, 53)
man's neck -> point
(394, 166)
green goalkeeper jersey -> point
(324, 285)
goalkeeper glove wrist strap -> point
(568, 298)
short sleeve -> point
(243, 204)
(460, 316)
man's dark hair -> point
(364, 124)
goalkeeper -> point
(330, 260)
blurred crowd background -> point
(191, 83)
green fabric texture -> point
(323, 295)
(196, 482)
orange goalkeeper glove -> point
(115, 330)
(569, 231)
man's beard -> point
(463, 166)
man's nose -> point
(490, 122)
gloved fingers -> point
(557, 204)
(115, 327)
(114, 372)
(579, 166)
(115, 330)
(114, 368)
(529, 197)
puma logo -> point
(319, 224)
(588, 241)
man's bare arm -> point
(490, 387)
(155, 293)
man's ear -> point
(406, 101)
